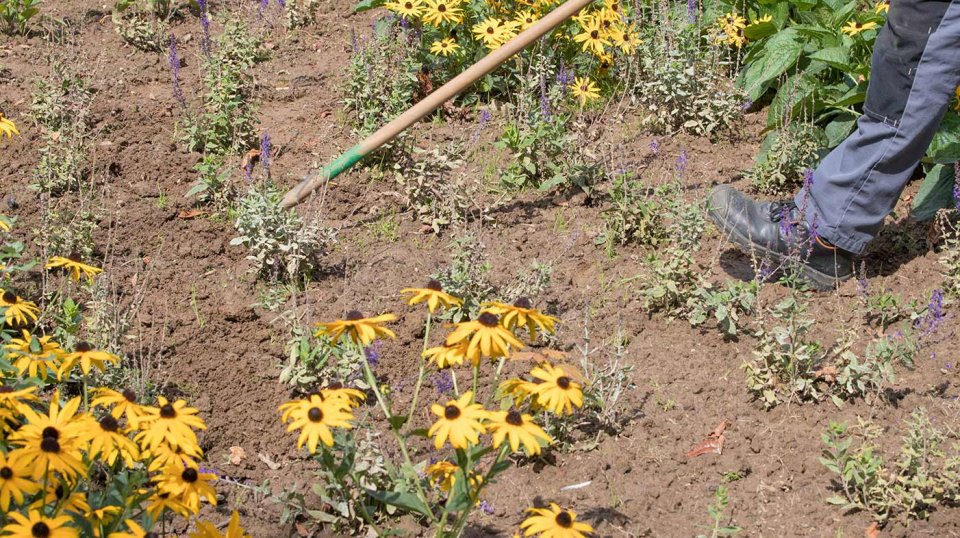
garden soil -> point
(197, 331)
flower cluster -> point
(732, 28)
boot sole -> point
(820, 281)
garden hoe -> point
(444, 93)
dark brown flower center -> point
(83, 347)
(315, 414)
(594, 34)
(583, 87)
(523, 302)
(9, 297)
(354, 315)
(442, 8)
(451, 412)
(189, 475)
(335, 385)
(408, 5)
(563, 382)
(129, 395)
(151, 534)
(50, 432)
(488, 320)
(49, 444)
(514, 418)
(40, 530)
(564, 520)
(6, 473)
(490, 30)
(167, 411)
(75, 257)
(109, 424)
(5, 389)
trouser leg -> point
(915, 70)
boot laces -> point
(781, 210)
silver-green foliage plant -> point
(281, 246)
(466, 278)
(726, 305)
(924, 476)
(298, 13)
(636, 215)
(436, 190)
(60, 105)
(788, 154)
(143, 24)
(310, 359)
(950, 259)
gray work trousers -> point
(915, 70)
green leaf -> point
(838, 57)
(365, 5)
(781, 52)
(403, 500)
(794, 97)
(945, 147)
(936, 192)
(761, 30)
(839, 128)
(397, 422)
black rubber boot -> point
(776, 231)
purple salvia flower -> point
(655, 146)
(486, 507)
(786, 224)
(744, 106)
(175, 71)
(283, 3)
(682, 161)
(263, 6)
(863, 288)
(205, 24)
(956, 185)
(693, 11)
(373, 354)
(442, 382)
(265, 153)
(209, 470)
(484, 117)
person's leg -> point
(916, 68)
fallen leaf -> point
(246, 159)
(547, 355)
(270, 463)
(187, 214)
(828, 373)
(237, 455)
(713, 444)
(718, 431)
(301, 530)
(873, 531)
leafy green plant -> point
(883, 308)
(635, 216)
(726, 305)
(435, 190)
(670, 282)
(788, 154)
(950, 259)
(310, 359)
(538, 153)
(466, 278)
(299, 13)
(16, 15)
(717, 510)
(213, 181)
(60, 105)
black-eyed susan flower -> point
(443, 47)
(209, 530)
(485, 334)
(98, 517)
(518, 428)
(35, 356)
(460, 422)
(16, 311)
(554, 522)
(162, 501)
(87, 357)
(360, 329)
(592, 37)
(165, 455)
(522, 314)
(518, 390)
(15, 479)
(433, 294)
(556, 391)
(52, 442)
(442, 474)
(170, 423)
(437, 12)
(314, 417)
(853, 28)
(59, 493)
(626, 38)
(525, 19)
(447, 355)
(584, 89)
(7, 127)
(133, 530)
(74, 266)
(188, 484)
(13, 398)
(109, 440)
(882, 7)
(119, 403)
(490, 32)
(408, 9)
(352, 397)
(37, 525)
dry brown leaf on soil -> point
(546, 355)
(246, 159)
(270, 463)
(873, 531)
(713, 444)
(237, 455)
(187, 214)
(828, 373)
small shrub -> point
(435, 191)
(950, 259)
(717, 516)
(636, 216)
(786, 157)
(529, 283)
(298, 13)
(466, 277)
(726, 305)
(312, 359)
(671, 281)
(280, 245)
(60, 105)
(16, 15)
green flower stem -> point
(475, 497)
(372, 381)
(416, 390)
(496, 381)
(476, 374)
(363, 508)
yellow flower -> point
(518, 390)
(584, 89)
(360, 329)
(74, 266)
(554, 522)
(443, 474)
(881, 7)
(522, 314)
(518, 428)
(134, 530)
(165, 455)
(7, 127)
(100, 517)
(494, 32)
(35, 356)
(170, 423)
(459, 421)
(486, 335)
(209, 530)
(626, 38)
(162, 501)
(108, 440)
(441, 47)
(525, 19)
(15, 479)
(446, 355)
(433, 294)
(956, 95)
(53, 442)
(315, 416)
(351, 397)
(120, 403)
(16, 311)
(732, 22)
(761, 20)
(439, 11)
(37, 525)
(556, 392)
(87, 357)
(593, 37)
(853, 28)
(62, 494)
(5, 223)
(407, 9)
(188, 485)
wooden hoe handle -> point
(433, 101)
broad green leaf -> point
(781, 52)
(761, 30)
(945, 147)
(803, 5)
(401, 499)
(794, 98)
(839, 128)
(365, 5)
(838, 57)
(936, 192)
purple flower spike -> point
(486, 507)
(175, 70)
(265, 153)
(655, 146)
(682, 161)
(205, 24)
(373, 354)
